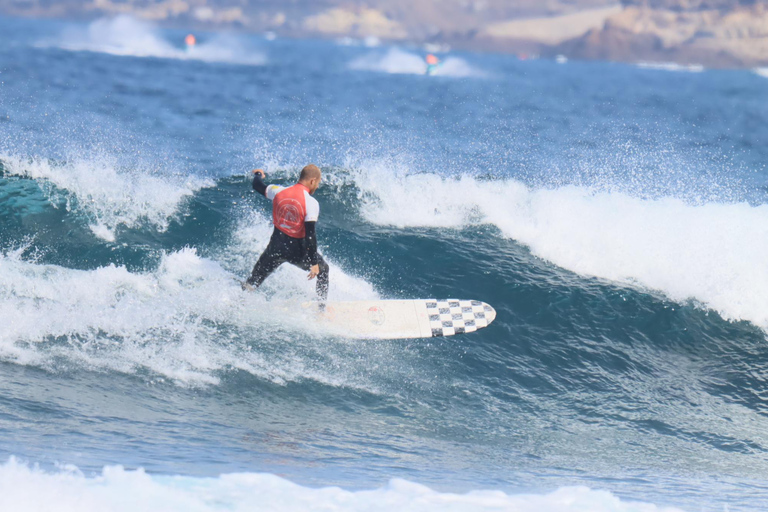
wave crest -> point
(126, 36)
(108, 195)
(710, 253)
(23, 488)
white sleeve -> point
(272, 191)
(313, 208)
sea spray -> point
(109, 195)
(125, 35)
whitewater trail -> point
(401, 62)
(125, 35)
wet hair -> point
(309, 172)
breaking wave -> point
(127, 36)
(187, 321)
(106, 194)
(24, 488)
(711, 253)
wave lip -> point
(107, 195)
(124, 35)
(24, 488)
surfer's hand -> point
(260, 172)
(313, 271)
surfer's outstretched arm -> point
(268, 191)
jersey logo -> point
(288, 216)
(289, 211)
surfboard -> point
(402, 319)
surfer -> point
(294, 214)
(432, 64)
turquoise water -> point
(614, 216)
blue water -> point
(615, 216)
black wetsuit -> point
(282, 248)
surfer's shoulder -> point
(273, 190)
(312, 206)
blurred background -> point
(712, 33)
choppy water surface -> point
(615, 216)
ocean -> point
(614, 215)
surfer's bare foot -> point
(247, 287)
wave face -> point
(708, 254)
(614, 216)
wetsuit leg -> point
(281, 248)
(322, 277)
(268, 263)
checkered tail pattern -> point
(451, 316)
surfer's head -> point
(310, 177)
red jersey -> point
(291, 208)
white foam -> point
(187, 321)
(671, 66)
(713, 253)
(24, 488)
(107, 195)
(127, 36)
(459, 68)
(397, 61)
(226, 48)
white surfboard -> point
(400, 319)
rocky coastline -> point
(711, 33)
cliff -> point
(711, 32)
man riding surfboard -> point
(294, 214)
